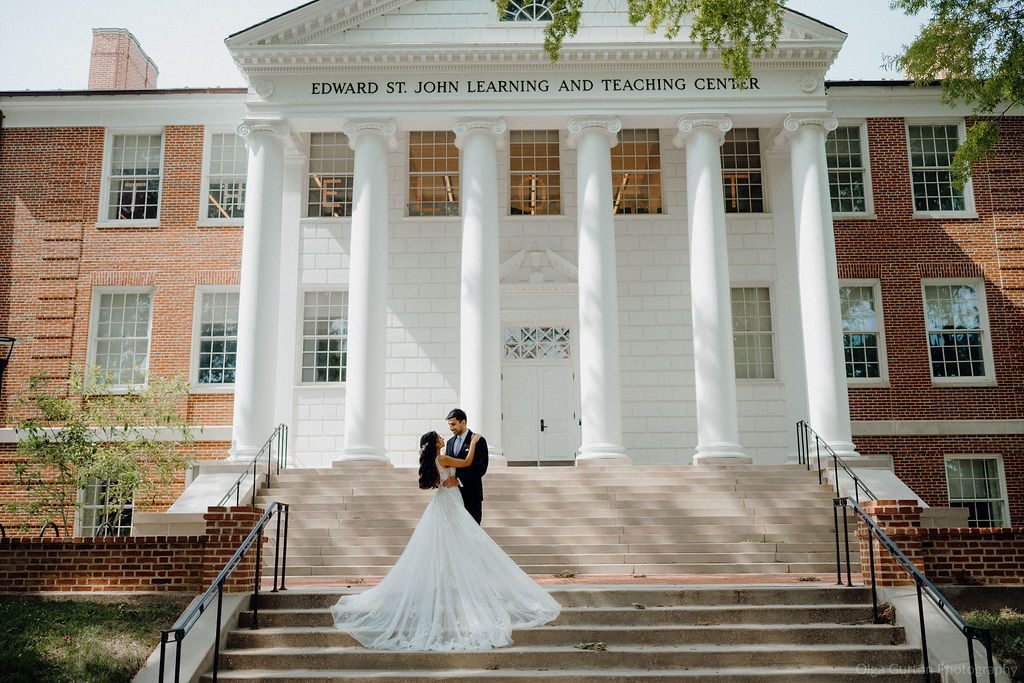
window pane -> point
(636, 172)
(955, 335)
(122, 346)
(98, 515)
(753, 339)
(741, 171)
(974, 483)
(331, 166)
(931, 154)
(534, 180)
(218, 340)
(528, 10)
(325, 336)
(134, 177)
(433, 174)
(228, 164)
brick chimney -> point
(118, 62)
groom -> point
(472, 488)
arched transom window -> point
(528, 10)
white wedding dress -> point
(453, 588)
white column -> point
(256, 361)
(600, 384)
(292, 198)
(711, 306)
(367, 292)
(480, 335)
(828, 402)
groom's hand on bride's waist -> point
(450, 482)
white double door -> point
(539, 414)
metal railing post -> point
(835, 527)
(216, 635)
(969, 632)
(163, 656)
(846, 539)
(277, 549)
(924, 636)
(284, 553)
(874, 589)
(256, 582)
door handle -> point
(542, 424)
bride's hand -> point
(473, 439)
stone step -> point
(357, 545)
(305, 503)
(680, 489)
(747, 634)
(629, 616)
(569, 556)
(597, 595)
(624, 521)
(582, 535)
(578, 569)
(615, 657)
(808, 674)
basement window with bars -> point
(228, 163)
(134, 177)
(97, 516)
(847, 171)
(753, 338)
(862, 331)
(534, 175)
(433, 174)
(957, 330)
(331, 169)
(636, 172)
(742, 182)
(978, 483)
(324, 336)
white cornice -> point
(315, 59)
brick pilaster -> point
(226, 528)
(901, 521)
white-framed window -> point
(433, 173)
(324, 336)
(528, 10)
(215, 337)
(742, 180)
(227, 161)
(534, 176)
(931, 148)
(636, 172)
(978, 483)
(752, 332)
(860, 305)
(132, 178)
(119, 334)
(331, 169)
(959, 346)
(849, 176)
(96, 516)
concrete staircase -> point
(818, 634)
(353, 521)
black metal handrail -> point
(278, 439)
(804, 433)
(47, 525)
(925, 588)
(3, 531)
(216, 589)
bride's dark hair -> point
(429, 476)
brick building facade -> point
(361, 241)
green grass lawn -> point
(1007, 628)
(81, 641)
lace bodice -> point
(444, 472)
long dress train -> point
(453, 588)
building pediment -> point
(327, 35)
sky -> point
(45, 45)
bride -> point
(453, 588)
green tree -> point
(742, 29)
(976, 48)
(81, 431)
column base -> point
(369, 455)
(843, 449)
(602, 455)
(722, 454)
(496, 458)
(242, 453)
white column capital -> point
(822, 119)
(465, 127)
(609, 126)
(719, 124)
(386, 128)
(249, 127)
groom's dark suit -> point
(472, 488)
